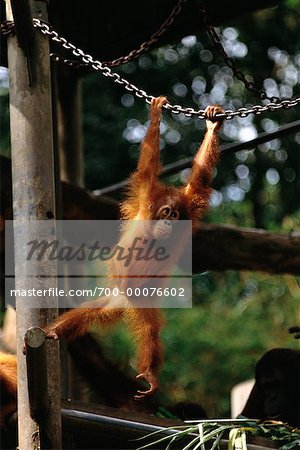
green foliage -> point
(214, 345)
(236, 316)
(293, 3)
(210, 432)
(192, 73)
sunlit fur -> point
(145, 199)
(8, 385)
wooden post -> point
(33, 199)
(69, 142)
(69, 125)
(36, 362)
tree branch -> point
(221, 247)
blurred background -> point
(236, 316)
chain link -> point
(175, 109)
(145, 46)
(216, 40)
(95, 65)
(7, 27)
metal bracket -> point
(24, 31)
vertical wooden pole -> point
(69, 122)
(69, 141)
(33, 199)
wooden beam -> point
(68, 143)
(215, 247)
(33, 200)
(221, 247)
(35, 349)
(69, 125)
(111, 29)
(23, 25)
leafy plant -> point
(236, 431)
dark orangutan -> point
(276, 393)
(149, 199)
(8, 386)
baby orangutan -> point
(8, 387)
(149, 199)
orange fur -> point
(8, 384)
(148, 199)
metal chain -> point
(145, 46)
(96, 65)
(216, 40)
(7, 27)
(175, 109)
(75, 64)
(250, 86)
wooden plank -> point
(33, 199)
(241, 248)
